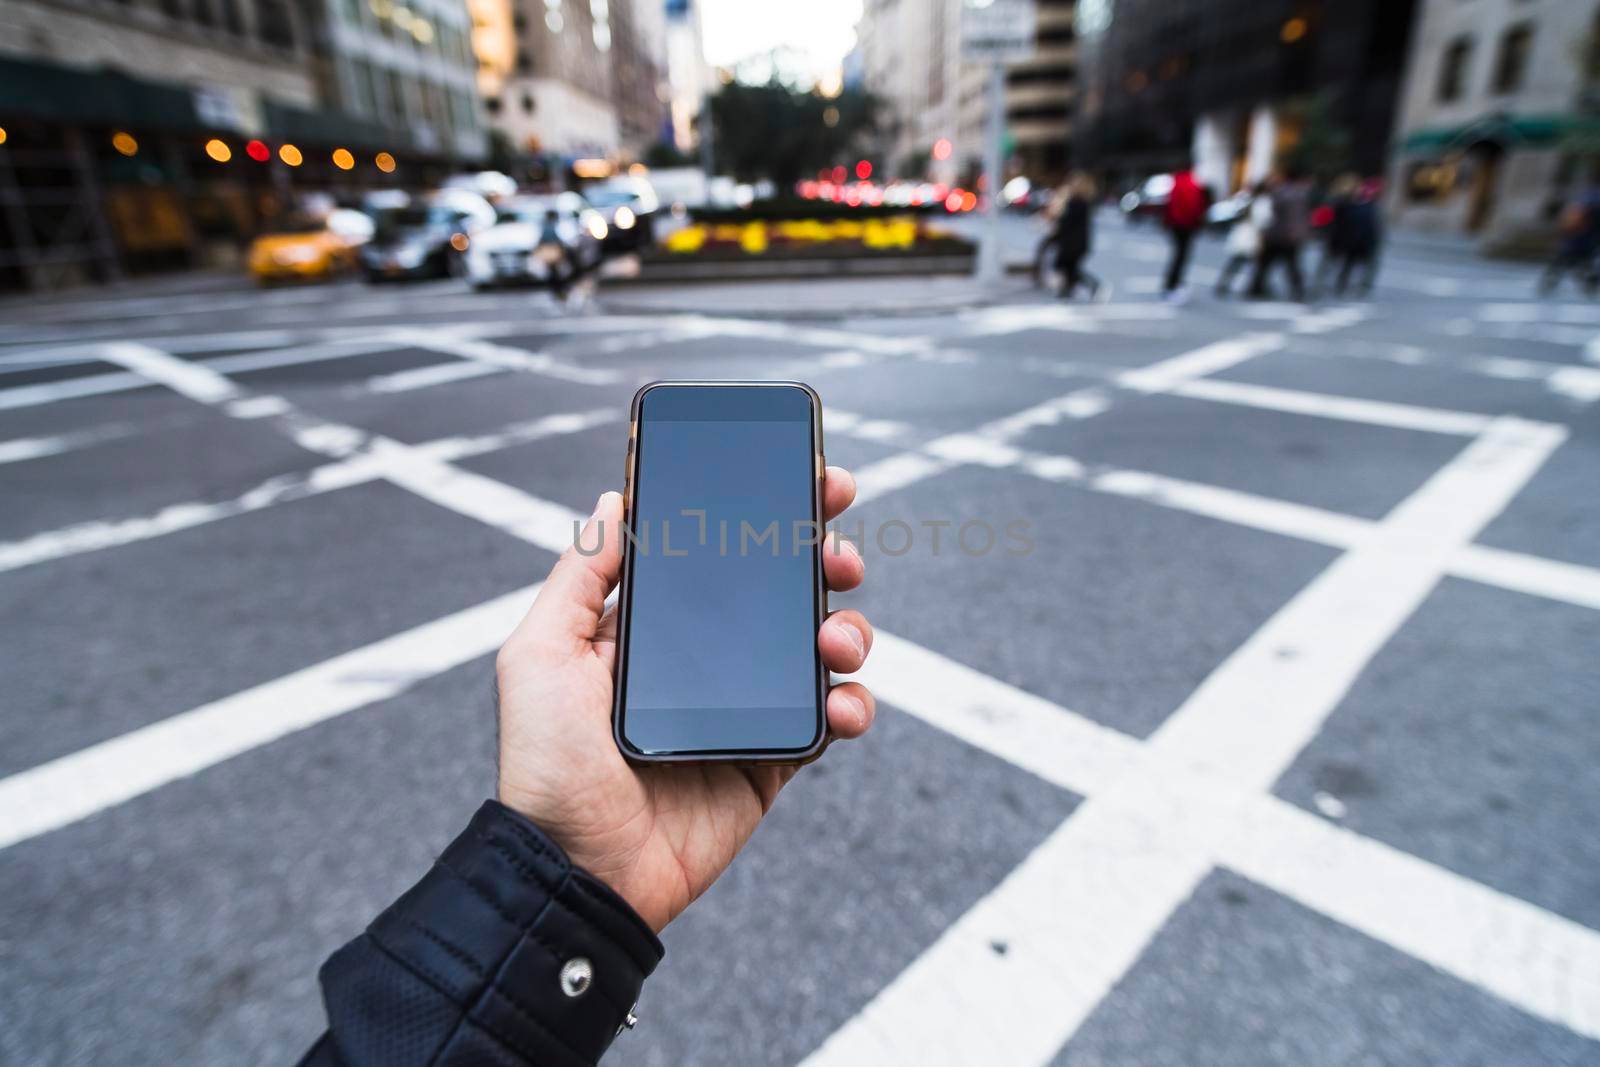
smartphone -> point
(722, 591)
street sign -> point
(997, 31)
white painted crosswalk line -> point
(1082, 908)
(77, 786)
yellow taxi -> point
(310, 248)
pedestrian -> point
(1580, 241)
(1183, 215)
(1286, 235)
(528, 939)
(1073, 235)
(1363, 235)
(563, 269)
(1341, 194)
(1244, 239)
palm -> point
(658, 835)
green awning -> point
(1533, 131)
(102, 97)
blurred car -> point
(426, 239)
(1225, 212)
(1149, 200)
(517, 249)
(629, 206)
(307, 247)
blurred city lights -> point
(830, 116)
(838, 175)
(953, 201)
(384, 162)
(592, 168)
(124, 142)
(258, 151)
(3, 135)
(863, 170)
(969, 200)
(290, 155)
(942, 148)
(459, 242)
(1293, 30)
(218, 150)
(343, 159)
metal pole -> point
(991, 259)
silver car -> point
(527, 245)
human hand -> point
(658, 835)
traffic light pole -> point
(991, 258)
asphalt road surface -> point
(1278, 746)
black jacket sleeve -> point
(505, 954)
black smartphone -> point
(722, 590)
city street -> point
(1276, 743)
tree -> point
(1323, 148)
(666, 154)
(777, 131)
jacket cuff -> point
(537, 957)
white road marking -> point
(1327, 406)
(357, 469)
(76, 786)
(192, 379)
(427, 377)
(1077, 913)
(1208, 359)
(25, 448)
(123, 381)
(508, 358)
(1250, 718)
(24, 396)
(1552, 579)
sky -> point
(818, 33)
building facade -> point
(1500, 118)
(578, 79)
(1238, 86)
(148, 134)
(688, 76)
(909, 54)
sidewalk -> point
(814, 299)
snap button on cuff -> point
(577, 975)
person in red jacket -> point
(1185, 213)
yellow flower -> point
(688, 239)
(753, 239)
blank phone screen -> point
(721, 649)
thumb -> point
(569, 606)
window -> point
(203, 15)
(275, 23)
(366, 102)
(527, 103)
(491, 104)
(399, 99)
(1453, 71)
(232, 17)
(1512, 63)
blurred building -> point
(1500, 119)
(578, 79)
(142, 134)
(688, 76)
(639, 86)
(909, 54)
(1239, 85)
